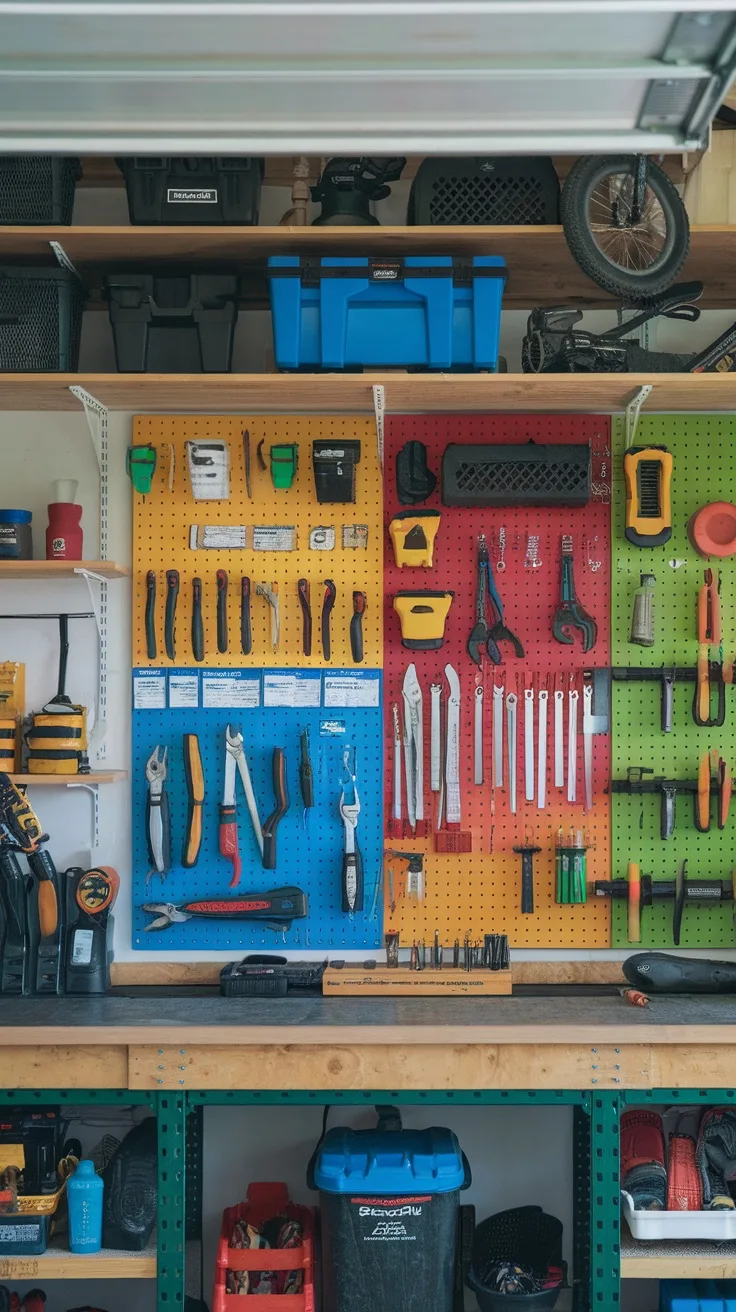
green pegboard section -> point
(704, 452)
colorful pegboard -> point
(704, 452)
(308, 857)
(161, 539)
(481, 891)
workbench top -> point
(187, 1017)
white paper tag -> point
(352, 690)
(183, 690)
(82, 947)
(229, 691)
(149, 691)
(274, 537)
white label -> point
(351, 690)
(230, 692)
(183, 690)
(82, 947)
(191, 196)
(274, 537)
(278, 689)
(218, 537)
(307, 690)
(149, 692)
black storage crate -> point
(204, 189)
(37, 189)
(179, 323)
(485, 189)
(40, 320)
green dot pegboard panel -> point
(481, 891)
(704, 453)
(161, 527)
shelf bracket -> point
(379, 410)
(63, 259)
(633, 410)
(94, 792)
(96, 415)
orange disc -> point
(712, 530)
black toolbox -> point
(176, 323)
(198, 190)
(37, 189)
(40, 320)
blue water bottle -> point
(84, 1196)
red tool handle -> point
(228, 841)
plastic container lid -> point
(712, 530)
(394, 1161)
(15, 516)
(85, 1170)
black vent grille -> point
(37, 189)
(40, 321)
(528, 475)
(483, 200)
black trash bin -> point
(389, 1205)
(174, 323)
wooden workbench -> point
(188, 1041)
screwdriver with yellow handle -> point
(195, 793)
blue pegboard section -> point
(309, 858)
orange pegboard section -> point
(480, 892)
(162, 523)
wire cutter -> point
(228, 831)
(158, 824)
(569, 613)
(352, 859)
(277, 907)
(487, 597)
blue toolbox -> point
(417, 312)
(697, 1296)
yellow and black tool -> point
(12, 710)
(413, 533)
(57, 735)
(709, 635)
(423, 615)
(195, 792)
(648, 475)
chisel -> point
(197, 625)
(221, 610)
(172, 594)
(151, 648)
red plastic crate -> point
(263, 1201)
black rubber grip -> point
(172, 594)
(151, 648)
(352, 881)
(271, 825)
(246, 639)
(527, 883)
(327, 605)
(356, 627)
(222, 610)
(197, 625)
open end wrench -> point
(529, 744)
(542, 749)
(478, 736)
(559, 738)
(511, 702)
(572, 744)
(498, 691)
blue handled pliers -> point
(482, 635)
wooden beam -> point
(194, 973)
(59, 1067)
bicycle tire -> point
(628, 285)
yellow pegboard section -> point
(162, 523)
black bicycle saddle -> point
(661, 972)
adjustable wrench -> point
(529, 744)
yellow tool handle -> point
(193, 839)
(703, 676)
(48, 909)
(195, 789)
(634, 907)
(704, 793)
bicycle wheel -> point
(634, 261)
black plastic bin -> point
(203, 189)
(389, 1211)
(37, 189)
(40, 320)
(527, 1237)
(179, 323)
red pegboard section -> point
(481, 891)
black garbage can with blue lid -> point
(389, 1205)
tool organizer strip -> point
(164, 517)
(480, 891)
(704, 453)
(309, 858)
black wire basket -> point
(526, 1236)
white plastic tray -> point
(678, 1225)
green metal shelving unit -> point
(596, 1274)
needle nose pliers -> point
(482, 636)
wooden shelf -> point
(676, 1259)
(59, 1264)
(352, 393)
(64, 780)
(541, 269)
(60, 569)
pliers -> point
(569, 613)
(483, 636)
(352, 859)
(158, 825)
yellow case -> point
(422, 615)
(643, 529)
(400, 530)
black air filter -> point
(513, 475)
